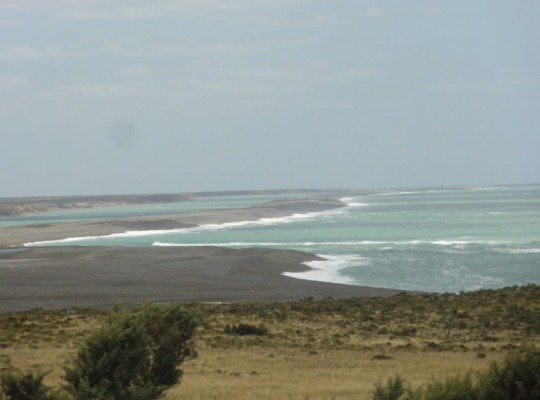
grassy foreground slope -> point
(316, 349)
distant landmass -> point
(26, 205)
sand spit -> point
(19, 235)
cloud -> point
(135, 70)
(14, 81)
(140, 10)
(521, 77)
(123, 13)
(22, 53)
(374, 12)
(345, 16)
(11, 22)
(501, 82)
(143, 47)
(148, 50)
(132, 10)
(38, 5)
(122, 89)
(457, 86)
(361, 74)
(432, 11)
(276, 81)
(230, 87)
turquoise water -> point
(437, 240)
(135, 210)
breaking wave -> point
(328, 269)
(201, 228)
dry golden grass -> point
(281, 373)
(323, 349)
(286, 373)
(41, 341)
(39, 360)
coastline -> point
(22, 234)
(86, 276)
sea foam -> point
(328, 269)
(346, 243)
(271, 244)
(350, 201)
(518, 251)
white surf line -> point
(247, 244)
(350, 201)
(261, 221)
(341, 243)
(328, 269)
(519, 251)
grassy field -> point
(308, 349)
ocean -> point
(445, 240)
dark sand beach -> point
(59, 277)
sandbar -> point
(22, 234)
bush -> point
(17, 386)
(517, 379)
(393, 390)
(134, 356)
(381, 357)
(456, 388)
(246, 329)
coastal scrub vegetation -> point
(310, 348)
(133, 356)
(518, 378)
(27, 386)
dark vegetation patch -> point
(481, 321)
(246, 329)
(516, 378)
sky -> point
(163, 96)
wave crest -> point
(329, 269)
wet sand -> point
(60, 277)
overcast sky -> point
(118, 96)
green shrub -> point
(134, 356)
(455, 388)
(18, 386)
(247, 329)
(393, 390)
(517, 379)
(381, 356)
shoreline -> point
(86, 276)
(101, 276)
(19, 235)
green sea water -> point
(136, 210)
(432, 240)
